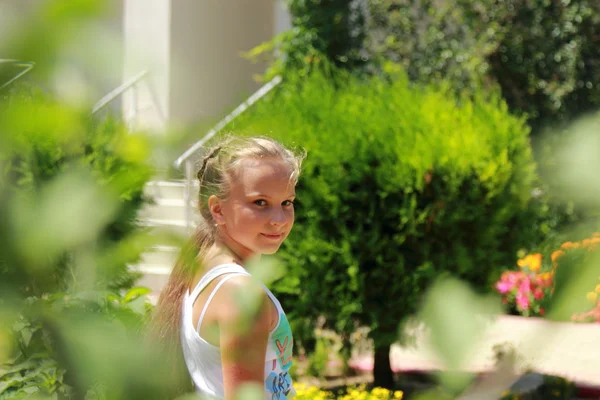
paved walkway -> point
(569, 350)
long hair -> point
(214, 176)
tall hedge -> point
(402, 184)
(542, 53)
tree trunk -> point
(382, 369)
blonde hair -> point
(214, 175)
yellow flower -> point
(556, 255)
(569, 245)
(531, 261)
(597, 289)
(546, 275)
(592, 296)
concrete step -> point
(173, 189)
(168, 227)
(165, 218)
(160, 255)
(167, 209)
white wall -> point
(209, 75)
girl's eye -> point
(288, 203)
(260, 202)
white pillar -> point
(147, 37)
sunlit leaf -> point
(456, 318)
(135, 293)
(572, 285)
(71, 210)
(250, 391)
(266, 269)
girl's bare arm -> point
(244, 323)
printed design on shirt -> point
(280, 385)
(279, 381)
(284, 342)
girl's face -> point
(259, 212)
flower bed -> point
(528, 290)
(305, 392)
(551, 388)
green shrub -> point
(402, 185)
(318, 359)
(70, 190)
(434, 41)
(335, 28)
(35, 369)
(45, 140)
(542, 53)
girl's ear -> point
(216, 209)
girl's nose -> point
(278, 217)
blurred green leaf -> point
(135, 293)
(266, 269)
(69, 211)
(250, 391)
(572, 284)
(573, 174)
(456, 317)
(138, 305)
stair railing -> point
(26, 65)
(190, 157)
(131, 84)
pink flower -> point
(525, 286)
(522, 301)
(504, 287)
(538, 294)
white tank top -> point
(203, 360)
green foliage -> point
(33, 369)
(330, 31)
(577, 274)
(568, 156)
(434, 41)
(335, 28)
(456, 318)
(547, 62)
(70, 190)
(47, 141)
(542, 53)
(318, 359)
(401, 185)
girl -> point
(246, 203)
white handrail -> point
(222, 123)
(113, 94)
(27, 64)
